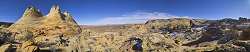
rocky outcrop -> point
(54, 17)
(27, 46)
(6, 48)
(230, 48)
(126, 41)
(34, 30)
(58, 32)
(245, 44)
(57, 22)
(245, 34)
(174, 24)
(5, 36)
(30, 18)
(54, 23)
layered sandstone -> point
(54, 23)
(31, 17)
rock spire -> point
(30, 17)
(54, 23)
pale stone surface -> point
(53, 23)
(5, 48)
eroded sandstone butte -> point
(54, 23)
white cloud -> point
(134, 18)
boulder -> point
(31, 49)
(6, 48)
(28, 46)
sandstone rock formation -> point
(34, 30)
(30, 18)
(58, 32)
(245, 34)
(29, 47)
(173, 24)
(6, 48)
(54, 23)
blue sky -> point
(96, 12)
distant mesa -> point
(55, 22)
(5, 23)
